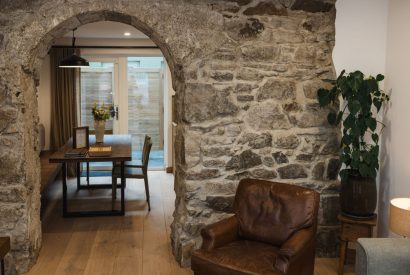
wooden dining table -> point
(121, 152)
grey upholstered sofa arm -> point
(383, 256)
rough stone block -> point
(256, 141)
(312, 6)
(220, 203)
(203, 174)
(252, 28)
(318, 171)
(313, 116)
(333, 168)
(214, 163)
(304, 157)
(206, 102)
(277, 89)
(266, 8)
(248, 74)
(222, 76)
(280, 157)
(327, 241)
(13, 194)
(245, 97)
(7, 116)
(267, 117)
(260, 53)
(268, 161)
(239, 176)
(287, 142)
(291, 107)
(329, 209)
(264, 174)
(215, 152)
(247, 159)
(332, 146)
(292, 171)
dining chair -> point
(135, 171)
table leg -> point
(114, 185)
(64, 175)
(342, 256)
(122, 187)
(78, 175)
(88, 173)
(2, 267)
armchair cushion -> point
(271, 212)
(238, 257)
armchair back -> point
(271, 212)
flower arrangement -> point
(102, 113)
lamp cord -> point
(73, 40)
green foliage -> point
(364, 99)
(101, 113)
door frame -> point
(161, 72)
(168, 91)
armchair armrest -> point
(220, 233)
(299, 247)
(382, 256)
(296, 243)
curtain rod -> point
(107, 47)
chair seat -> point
(239, 257)
(133, 162)
(130, 172)
(129, 163)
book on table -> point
(75, 153)
(100, 151)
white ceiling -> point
(107, 29)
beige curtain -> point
(63, 101)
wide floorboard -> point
(137, 243)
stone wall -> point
(245, 72)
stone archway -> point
(245, 73)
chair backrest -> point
(145, 152)
(146, 139)
(271, 212)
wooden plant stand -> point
(351, 230)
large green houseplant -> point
(362, 100)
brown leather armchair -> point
(272, 232)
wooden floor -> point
(137, 243)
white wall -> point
(361, 33)
(396, 170)
(373, 36)
(361, 29)
(44, 100)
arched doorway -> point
(28, 82)
(244, 75)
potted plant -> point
(363, 99)
(101, 115)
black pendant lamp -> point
(74, 61)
